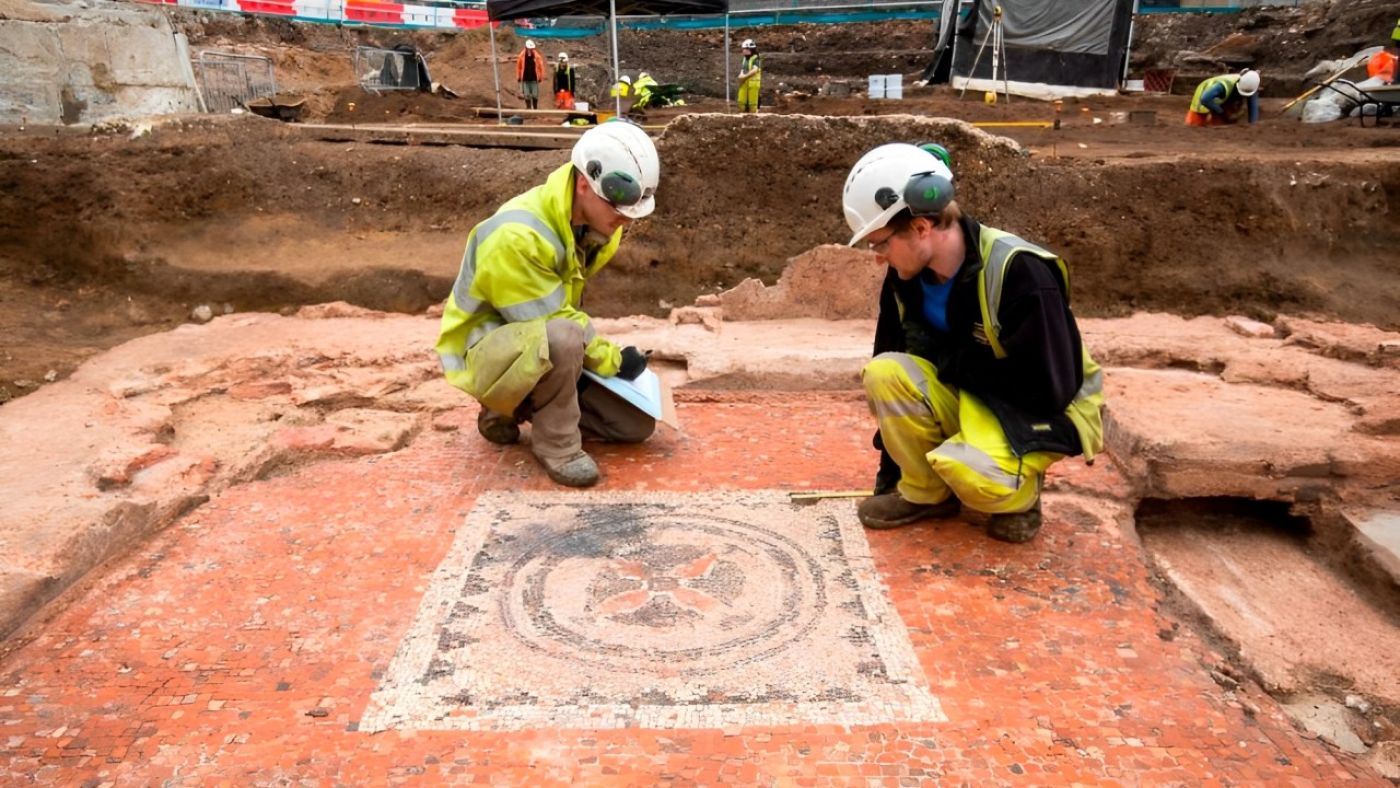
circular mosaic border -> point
(539, 629)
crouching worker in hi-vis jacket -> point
(980, 381)
(513, 336)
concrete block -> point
(108, 62)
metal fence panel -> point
(380, 70)
(231, 80)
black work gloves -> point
(634, 363)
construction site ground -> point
(270, 546)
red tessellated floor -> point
(242, 645)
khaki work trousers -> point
(560, 413)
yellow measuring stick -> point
(813, 497)
(1033, 124)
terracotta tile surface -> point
(243, 645)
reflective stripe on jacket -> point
(996, 248)
(564, 78)
(1227, 81)
(521, 268)
(754, 63)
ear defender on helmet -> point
(927, 193)
(618, 188)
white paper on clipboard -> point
(648, 393)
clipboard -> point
(648, 393)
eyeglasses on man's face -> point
(881, 246)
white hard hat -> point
(874, 190)
(1249, 82)
(626, 79)
(564, 56)
(619, 161)
(529, 43)
(748, 44)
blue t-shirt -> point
(936, 299)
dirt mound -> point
(353, 105)
(1223, 237)
(1283, 42)
(830, 282)
(744, 194)
(1140, 235)
(317, 60)
(216, 205)
(254, 213)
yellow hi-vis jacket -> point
(997, 247)
(1228, 80)
(752, 63)
(520, 269)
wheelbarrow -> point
(1385, 98)
(284, 108)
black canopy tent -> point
(1052, 47)
(504, 10)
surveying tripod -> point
(996, 36)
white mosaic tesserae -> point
(656, 611)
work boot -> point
(891, 511)
(1016, 527)
(577, 471)
(497, 428)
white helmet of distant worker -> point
(619, 161)
(881, 183)
(748, 44)
(563, 57)
(1249, 82)
(529, 43)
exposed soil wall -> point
(104, 237)
(172, 212)
(1282, 41)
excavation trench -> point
(100, 236)
(1311, 622)
(112, 239)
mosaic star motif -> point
(596, 611)
(660, 587)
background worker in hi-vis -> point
(750, 76)
(980, 381)
(513, 335)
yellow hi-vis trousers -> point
(948, 442)
(748, 96)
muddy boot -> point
(1015, 528)
(497, 428)
(891, 511)
(577, 471)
